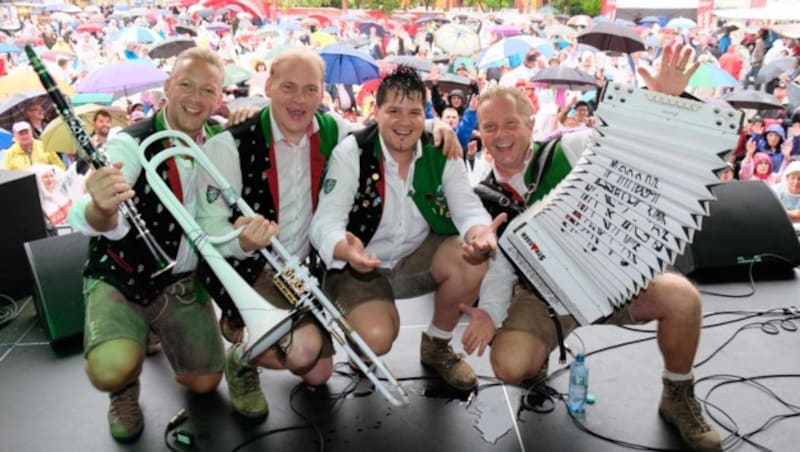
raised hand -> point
(357, 255)
(750, 148)
(673, 74)
(108, 188)
(444, 136)
(786, 149)
(479, 332)
(482, 240)
(256, 233)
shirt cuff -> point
(326, 251)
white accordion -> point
(630, 205)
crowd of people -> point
(378, 179)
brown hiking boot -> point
(124, 414)
(438, 355)
(244, 387)
(680, 408)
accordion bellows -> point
(630, 205)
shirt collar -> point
(526, 162)
(388, 156)
(199, 139)
(277, 135)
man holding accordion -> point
(516, 321)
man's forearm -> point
(99, 220)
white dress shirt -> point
(294, 188)
(124, 148)
(402, 228)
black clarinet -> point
(88, 152)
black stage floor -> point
(49, 405)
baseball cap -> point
(793, 167)
(20, 126)
(757, 118)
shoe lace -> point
(125, 404)
(685, 394)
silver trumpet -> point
(266, 324)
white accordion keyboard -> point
(630, 205)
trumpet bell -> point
(264, 329)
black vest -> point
(126, 264)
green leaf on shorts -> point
(328, 185)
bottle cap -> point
(590, 399)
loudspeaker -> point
(23, 221)
(56, 264)
(747, 226)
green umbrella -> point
(235, 74)
(91, 98)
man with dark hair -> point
(388, 223)
(102, 126)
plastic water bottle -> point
(578, 385)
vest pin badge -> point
(328, 185)
(212, 193)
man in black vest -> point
(391, 211)
(275, 161)
(515, 321)
(123, 298)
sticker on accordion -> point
(576, 293)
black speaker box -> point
(747, 231)
(22, 221)
(56, 264)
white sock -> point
(672, 376)
(432, 331)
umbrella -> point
(186, 30)
(6, 47)
(355, 42)
(566, 77)
(505, 30)
(457, 40)
(136, 34)
(235, 74)
(711, 75)
(774, 69)
(449, 82)
(91, 98)
(758, 100)
(426, 19)
(560, 30)
(219, 27)
(610, 36)
(255, 101)
(171, 47)
(580, 21)
(6, 139)
(268, 30)
(368, 87)
(651, 20)
(322, 39)
(420, 64)
(13, 108)
(681, 23)
(344, 64)
(122, 78)
(58, 137)
(89, 28)
(26, 80)
(515, 45)
(365, 28)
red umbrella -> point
(368, 87)
(89, 28)
(324, 21)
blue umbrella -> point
(681, 23)
(8, 48)
(136, 34)
(651, 20)
(597, 19)
(515, 45)
(344, 64)
(6, 139)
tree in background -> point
(575, 7)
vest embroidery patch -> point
(328, 185)
(212, 193)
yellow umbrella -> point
(323, 39)
(57, 136)
(27, 81)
